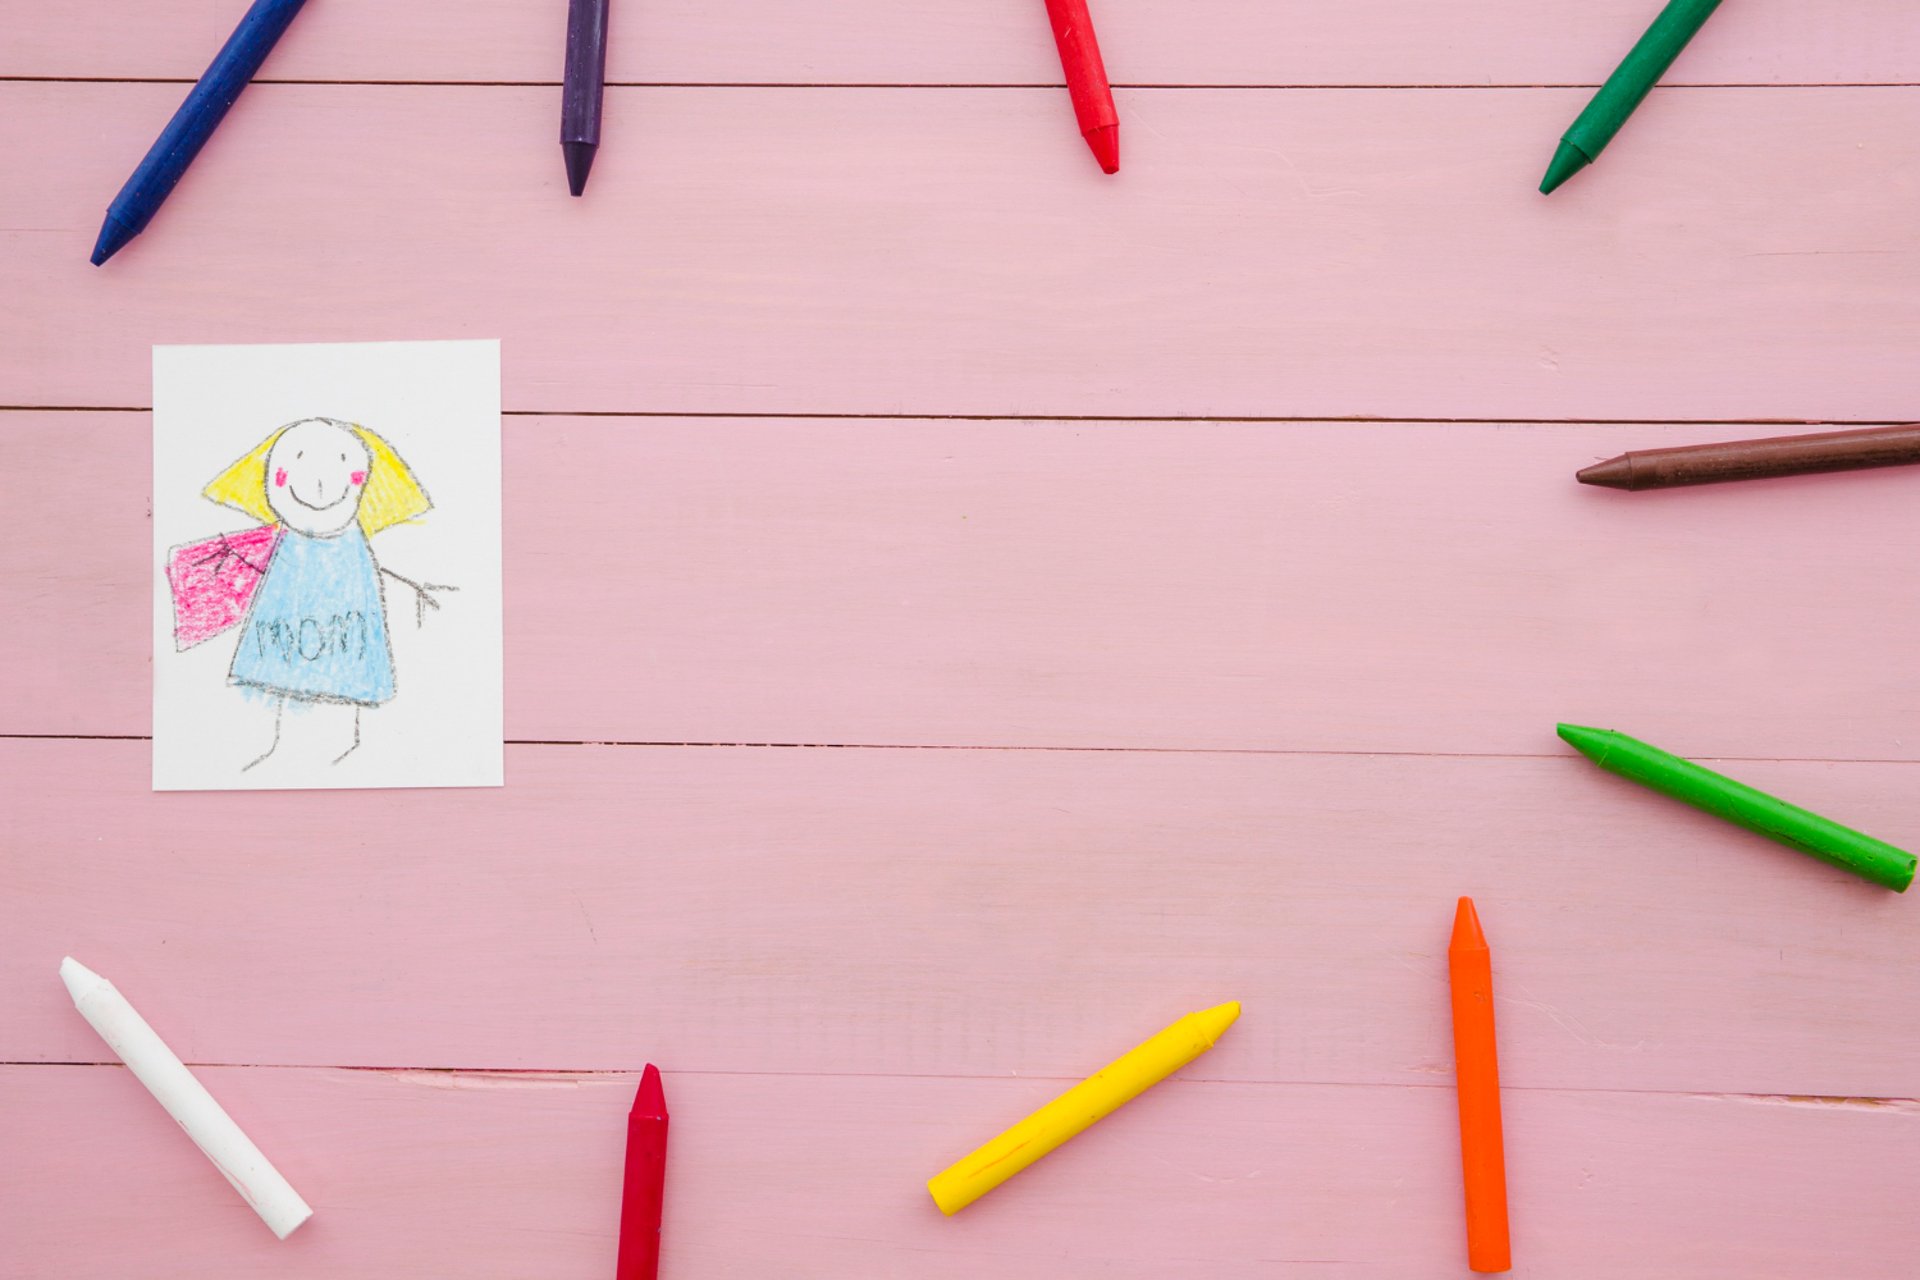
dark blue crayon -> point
(580, 93)
(193, 124)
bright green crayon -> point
(1741, 805)
(1642, 68)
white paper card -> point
(326, 527)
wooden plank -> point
(1741, 253)
(1322, 586)
(1203, 42)
(490, 1176)
(961, 912)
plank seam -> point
(1176, 86)
(1038, 747)
(1885, 1103)
(739, 415)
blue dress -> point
(317, 629)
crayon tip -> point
(1105, 142)
(1215, 1021)
(1467, 935)
(79, 979)
(1614, 473)
(114, 235)
(579, 157)
(1592, 743)
(1567, 161)
(650, 1100)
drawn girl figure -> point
(304, 588)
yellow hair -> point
(390, 496)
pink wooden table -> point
(965, 612)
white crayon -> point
(185, 1099)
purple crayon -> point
(585, 84)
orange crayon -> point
(1483, 1158)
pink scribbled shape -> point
(213, 582)
(359, 477)
(280, 477)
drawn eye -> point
(343, 457)
(299, 455)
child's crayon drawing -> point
(326, 531)
(305, 588)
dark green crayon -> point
(1741, 805)
(1642, 68)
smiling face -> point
(316, 472)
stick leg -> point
(356, 738)
(279, 706)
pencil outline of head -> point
(390, 494)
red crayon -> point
(646, 1180)
(1483, 1154)
(1087, 80)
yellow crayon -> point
(1113, 1086)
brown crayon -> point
(1757, 459)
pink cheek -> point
(280, 477)
(359, 477)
